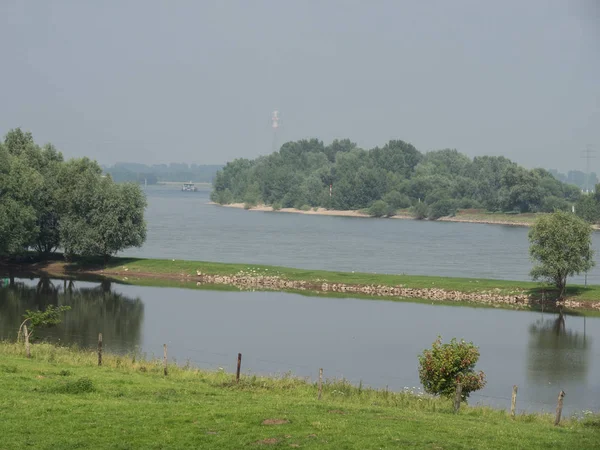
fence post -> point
(99, 349)
(239, 366)
(165, 359)
(513, 402)
(320, 383)
(559, 407)
(457, 397)
(27, 347)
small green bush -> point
(420, 210)
(445, 365)
(379, 208)
(442, 208)
(304, 208)
(249, 205)
(276, 206)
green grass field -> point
(61, 399)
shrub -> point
(445, 365)
(420, 210)
(396, 200)
(442, 208)
(304, 208)
(379, 208)
(276, 206)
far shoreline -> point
(356, 213)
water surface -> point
(183, 225)
(370, 340)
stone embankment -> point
(494, 297)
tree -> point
(105, 218)
(379, 208)
(561, 245)
(443, 366)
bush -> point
(249, 205)
(304, 208)
(445, 365)
(420, 210)
(276, 206)
(379, 208)
(224, 197)
(442, 208)
(553, 203)
(396, 200)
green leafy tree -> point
(443, 366)
(561, 246)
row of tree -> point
(142, 173)
(47, 203)
(342, 176)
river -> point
(370, 340)
(184, 225)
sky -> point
(196, 81)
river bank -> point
(466, 216)
(260, 277)
(127, 399)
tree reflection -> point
(557, 354)
(93, 310)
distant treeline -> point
(578, 178)
(341, 176)
(140, 173)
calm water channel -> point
(369, 340)
(183, 225)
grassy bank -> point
(61, 399)
(163, 270)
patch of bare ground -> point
(275, 421)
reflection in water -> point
(557, 354)
(94, 309)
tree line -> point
(342, 176)
(47, 203)
(144, 174)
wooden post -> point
(27, 347)
(559, 407)
(457, 397)
(320, 383)
(99, 349)
(239, 366)
(165, 359)
(513, 402)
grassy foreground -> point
(61, 399)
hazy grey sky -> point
(196, 81)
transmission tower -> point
(588, 154)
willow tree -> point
(561, 246)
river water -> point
(370, 340)
(183, 225)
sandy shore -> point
(318, 212)
(351, 213)
(336, 212)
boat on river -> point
(189, 187)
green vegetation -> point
(561, 244)
(187, 270)
(47, 203)
(396, 176)
(43, 319)
(443, 366)
(128, 403)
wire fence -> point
(209, 359)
